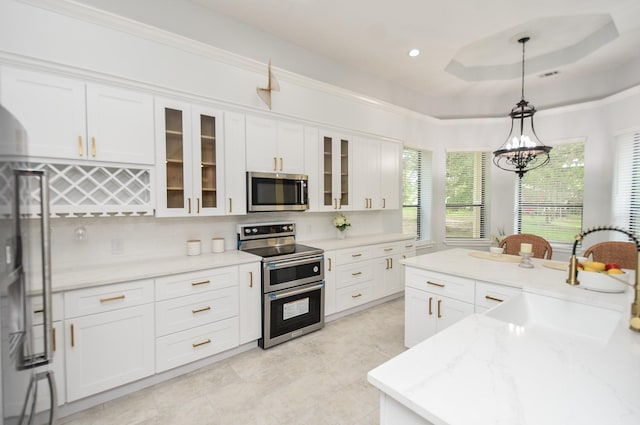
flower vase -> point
(341, 234)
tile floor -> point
(318, 379)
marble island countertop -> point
(482, 370)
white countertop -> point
(486, 371)
(353, 241)
(102, 274)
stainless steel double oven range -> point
(292, 281)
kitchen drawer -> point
(57, 308)
(195, 282)
(352, 255)
(182, 313)
(107, 298)
(408, 249)
(356, 273)
(489, 295)
(187, 346)
(386, 250)
(455, 287)
(353, 296)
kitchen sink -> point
(547, 314)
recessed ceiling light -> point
(414, 52)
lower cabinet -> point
(427, 313)
(250, 315)
(489, 295)
(108, 349)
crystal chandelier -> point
(522, 151)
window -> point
(465, 195)
(626, 185)
(549, 199)
(416, 189)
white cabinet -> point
(376, 174)
(434, 301)
(330, 282)
(274, 146)
(335, 180)
(189, 146)
(235, 189)
(387, 268)
(196, 316)
(70, 119)
(354, 278)
(489, 295)
(109, 337)
(250, 302)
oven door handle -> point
(280, 264)
(273, 296)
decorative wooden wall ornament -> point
(273, 85)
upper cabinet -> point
(274, 146)
(335, 179)
(234, 160)
(69, 119)
(189, 145)
(376, 174)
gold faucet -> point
(634, 323)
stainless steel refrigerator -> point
(25, 280)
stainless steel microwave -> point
(277, 192)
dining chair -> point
(540, 247)
(623, 253)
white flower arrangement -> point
(341, 222)
(497, 238)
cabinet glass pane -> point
(327, 171)
(208, 160)
(174, 140)
(344, 172)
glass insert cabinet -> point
(336, 181)
(190, 147)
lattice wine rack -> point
(86, 190)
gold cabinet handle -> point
(409, 246)
(201, 310)
(281, 164)
(230, 204)
(335, 203)
(356, 255)
(250, 279)
(439, 304)
(202, 282)
(356, 274)
(329, 269)
(430, 309)
(339, 203)
(93, 147)
(198, 344)
(117, 297)
(366, 203)
(386, 264)
(275, 164)
(390, 263)
(356, 295)
(489, 297)
(73, 335)
(53, 339)
(440, 285)
(80, 146)
(38, 311)
(198, 205)
(388, 249)
(189, 202)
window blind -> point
(411, 188)
(626, 184)
(465, 201)
(549, 200)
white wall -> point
(101, 47)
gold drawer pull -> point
(356, 274)
(440, 285)
(117, 297)
(356, 255)
(198, 344)
(204, 282)
(356, 295)
(200, 310)
(388, 249)
(409, 246)
(38, 311)
(489, 297)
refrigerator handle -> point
(45, 249)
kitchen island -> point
(490, 369)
